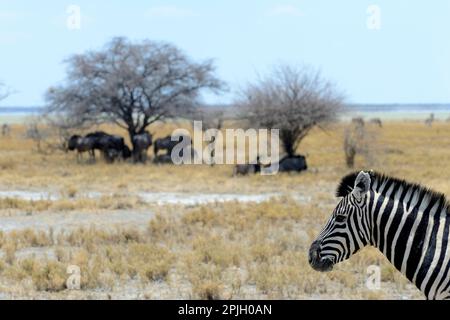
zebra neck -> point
(405, 226)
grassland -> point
(216, 250)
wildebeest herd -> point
(113, 148)
(294, 163)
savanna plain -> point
(146, 231)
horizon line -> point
(230, 104)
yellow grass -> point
(409, 150)
(227, 251)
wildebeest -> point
(116, 152)
(96, 136)
(126, 152)
(246, 169)
(111, 146)
(166, 143)
(141, 143)
(163, 159)
(288, 163)
(292, 163)
(82, 144)
(112, 154)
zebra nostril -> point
(314, 252)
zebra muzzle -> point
(318, 263)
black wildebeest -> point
(295, 163)
(112, 154)
(97, 135)
(82, 144)
(141, 143)
(163, 159)
(111, 146)
(246, 169)
(165, 143)
(184, 153)
(292, 163)
(126, 152)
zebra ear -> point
(362, 185)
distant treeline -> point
(399, 107)
(395, 107)
(20, 109)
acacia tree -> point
(130, 84)
(293, 100)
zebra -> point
(6, 130)
(429, 121)
(377, 122)
(407, 222)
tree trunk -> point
(288, 143)
(134, 151)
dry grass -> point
(219, 251)
(411, 142)
(113, 202)
(226, 251)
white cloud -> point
(285, 10)
(169, 12)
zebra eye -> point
(340, 218)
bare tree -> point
(63, 127)
(51, 132)
(35, 133)
(293, 100)
(131, 84)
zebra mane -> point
(347, 183)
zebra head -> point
(346, 230)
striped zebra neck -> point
(410, 225)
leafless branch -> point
(131, 84)
(293, 100)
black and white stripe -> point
(407, 222)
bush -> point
(50, 276)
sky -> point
(375, 51)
